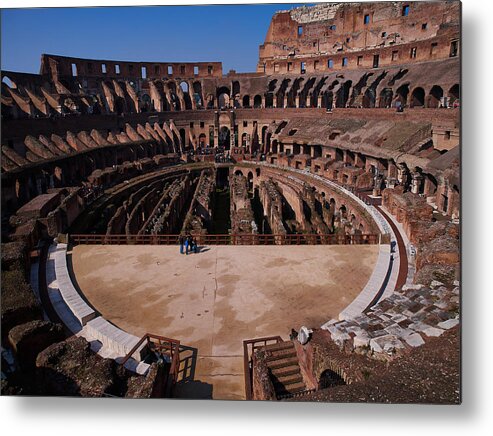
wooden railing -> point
(235, 239)
(164, 346)
(249, 347)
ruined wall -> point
(359, 32)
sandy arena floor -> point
(213, 300)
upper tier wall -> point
(350, 30)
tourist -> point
(181, 240)
(187, 244)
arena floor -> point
(213, 300)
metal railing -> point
(164, 346)
(234, 239)
(249, 347)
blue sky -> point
(230, 34)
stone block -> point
(448, 324)
(414, 340)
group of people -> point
(189, 243)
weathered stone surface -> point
(28, 339)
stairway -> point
(284, 369)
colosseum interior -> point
(322, 192)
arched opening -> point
(202, 138)
(244, 140)
(269, 100)
(274, 146)
(246, 101)
(329, 379)
(184, 86)
(197, 94)
(250, 181)
(418, 98)
(223, 97)
(327, 99)
(8, 82)
(386, 98)
(224, 138)
(435, 97)
(343, 94)
(236, 88)
(210, 101)
(454, 95)
(401, 95)
(369, 98)
(264, 129)
(182, 137)
(257, 101)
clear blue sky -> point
(230, 34)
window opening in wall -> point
(405, 11)
(384, 34)
(89, 67)
(103, 68)
(182, 69)
(367, 19)
(170, 70)
(290, 66)
(376, 58)
(395, 55)
(433, 48)
(315, 65)
(344, 62)
(130, 69)
(245, 123)
(314, 43)
(191, 124)
(196, 70)
(156, 70)
(201, 124)
(348, 39)
(330, 63)
(424, 26)
(332, 27)
(276, 68)
(74, 70)
(360, 60)
(303, 67)
(413, 52)
(209, 69)
(117, 69)
(454, 48)
(447, 135)
(143, 72)
(300, 30)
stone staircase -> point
(284, 369)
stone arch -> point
(223, 97)
(257, 101)
(401, 94)
(435, 97)
(224, 139)
(210, 101)
(246, 101)
(330, 378)
(202, 140)
(183, 137)
(197, 94)
(342, 94)
(386, 96)
(454, 94)
(417, 97)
